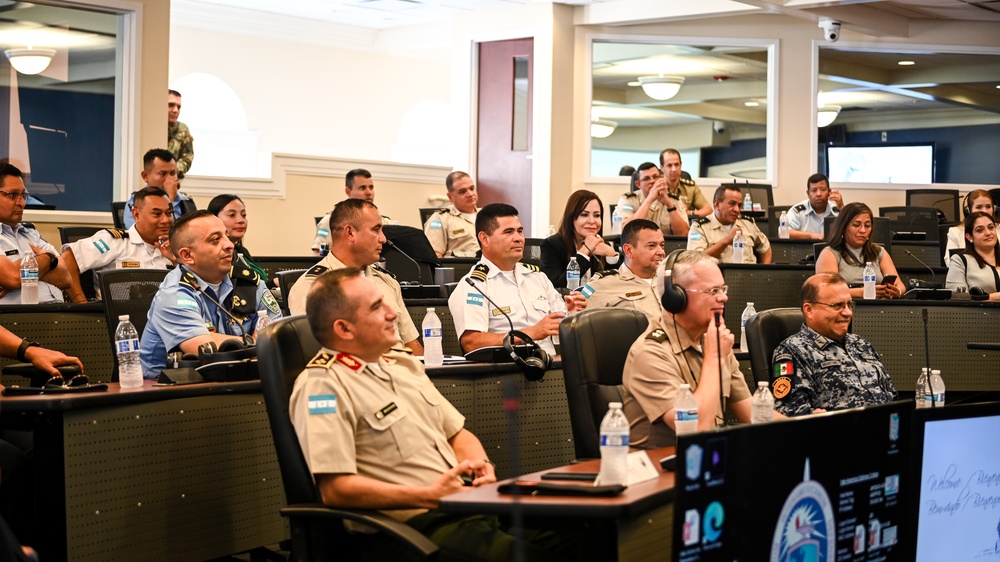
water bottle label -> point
(616, 440)
(125, 346)
(869, 278)
(687, 415)
(432, 332)
(29, 274)
(738, 245)
(572, 275)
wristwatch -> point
(671, 209)
(54, 260)
(25, 344)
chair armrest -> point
(381, 522)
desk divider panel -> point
(928, 251)
(79, 330)
(767, 286)
(790, 251)
(417, 309)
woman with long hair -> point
(850, 247)
(579, 236)
(976, 266)
(233, 212)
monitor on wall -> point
(881, 163)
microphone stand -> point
(420, 277)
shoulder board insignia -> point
(348, 361)
(657, 335)
(442, 211)
(605, 273)
(188, 280)
(747, 217)
(30, 225)
(383, 270)
(184, 195)
(322, 359)
(702, 220)
(800, 207)
(240, 271)
(401, 349)
(317, 270)
(117, 232)
(686, 181)
(676, 196)
(530, 267)
(628, 194)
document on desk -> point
(640, 468)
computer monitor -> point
(819, 488)
(957, 465)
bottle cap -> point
(431, 309)
(749, 303)
(762, 384)
(685, 385)
(612, 405)
(123, 318)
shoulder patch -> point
(799, 208)
(382, 270)
(117, 232)
(317, 270)
(657, 335)
(530, 267)
(322, 359)
(702, 220)
(781, 387)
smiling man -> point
(714, 234)
(190, 308)
(633, 284)
(822, 366)
(452, 230)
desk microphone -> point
(917, 284)
(538, 361)
(247, 339)
(474, 286)
(420, 280)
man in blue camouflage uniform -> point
(822, 367)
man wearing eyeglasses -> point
(684, 348)
(17, 239)
(159, 169)
(822, 366)
(656, 202)
(714, 234)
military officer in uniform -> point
(159, 169)
(145, 245)
(358, 185)
(714, 234)
(684, 187)
(806, 219)
(655, 202)
(197, 303)
(180, 142)
(522, 291)
(822, 366)
(452, 231)
(680, 347)
(357, 242)
(632, 284)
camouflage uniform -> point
(622, 289)
(180, 143)
(811, 371)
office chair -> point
(533, 251)
(69, 234)
(765, 330)
(595, 344)
(944, 200)
(286, 279)
(425, 213)
(284, 348)
(911, 223)
(128, 291)
(118, 213)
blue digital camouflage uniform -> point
(811, 371)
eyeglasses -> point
(15, 195)
(651, 178)
(59, 382)
(714, 291)
(837, 306)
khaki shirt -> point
(622, 289)
(383, 280)
(384, 421)
(688, 197)
(451, 234)
(659, 362)
(323, 231)
(708, 231)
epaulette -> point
(748, 217)
(685, 181)
(119, 233)
(530, 267)
(189, 280)
(657, 335)
(185, 196)
(605, 273)
(30, 225)
(676, 196)
(800, 207)
(628, 194)
(322, 359)
(702, 220)
(376, 267)
(401, 349)
(240, 270)
(317, 270)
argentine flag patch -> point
(436, 224)
(474, 299)
(322, 233)
(322, 404)
(587, 290)
(101, 246)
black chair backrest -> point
(412, 241)
(69, 234)
(425, 213)
(945, 200)
(773, 214)
(417, 309)
(533, 251)
(910, 222)
(595, 344)
(283, 350)
(129, 291)
(765, 330)
(286, 279)
(118, 213)
(943, 240)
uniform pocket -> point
(392, 435)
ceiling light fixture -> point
(602, 128)
(661, 87)
(30, 61)
(751, 104)
(826, 115)
(906, 63)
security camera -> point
(719, 126)
(831, 29)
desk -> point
(165, 473)
(636, 525)
(75, 329)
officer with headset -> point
(684, 345)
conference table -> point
(635, 525)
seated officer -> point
(805, 220)
(187, 310)
(358, 185)
(452, 231)
(714, 234)
(632, 284)
(655, 201)
(357, 388)
(144, 245)
(822, 366)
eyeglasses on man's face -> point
(15, 195)
(714, 291)
(837, 306)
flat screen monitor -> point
(815, 489)
(957, 464)
(881, 163)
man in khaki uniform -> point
(377, 434)
(357, 237)
(714, 234)
(631, 285)
(653, 201)
(358, 184)
(452, 230)
(673, 351)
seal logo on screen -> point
(711, 528)
(805, 530)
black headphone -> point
(674, 298)
(535, 364)
(967, 205)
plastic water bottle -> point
(738, 242)
(937, 387)
(922, 394)
(747, 313)
(552, 230)
(573, 274)
(616, 221)
(127, 348)
(685, 412)
(762, 408)
(29, 279)
(869, 280)
(747, 202)
(614, 447)
(783, 231)
(262, 321)
(433, 355)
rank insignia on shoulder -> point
(530, 267)
(800, 207)
(702, 220)
(117, 232)
(605, 273)
(685, 181)
(322, 359)
(317, 270)
(657, 335)
(348, 361)
(382, 270)
(781, 387)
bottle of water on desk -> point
(573, 274)
(614, 447)
(616, 221)
(762, 408)
(869, 279)
(747, 202)
(29, 279)
(922, 394)
(783, 228)
(127, 348)
(262, 322)
(937, 387)
(433, 354)
(738, 242)
(747, 313)
(685, 412)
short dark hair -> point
(219, 202)
(8, 169)
(327, 301)
(720, 192)
(174, 92)
(630, 234)
(816, 178)
(669, 151)
(348, 211)
(638, 172)
(486, 220)
(449, 181)
(180, 227)
(149, 191)
(810, 289)
(154, 153)
(349, 179)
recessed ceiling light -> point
(998, 86)
(906, 63)
(755, 104)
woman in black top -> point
(579, 236)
